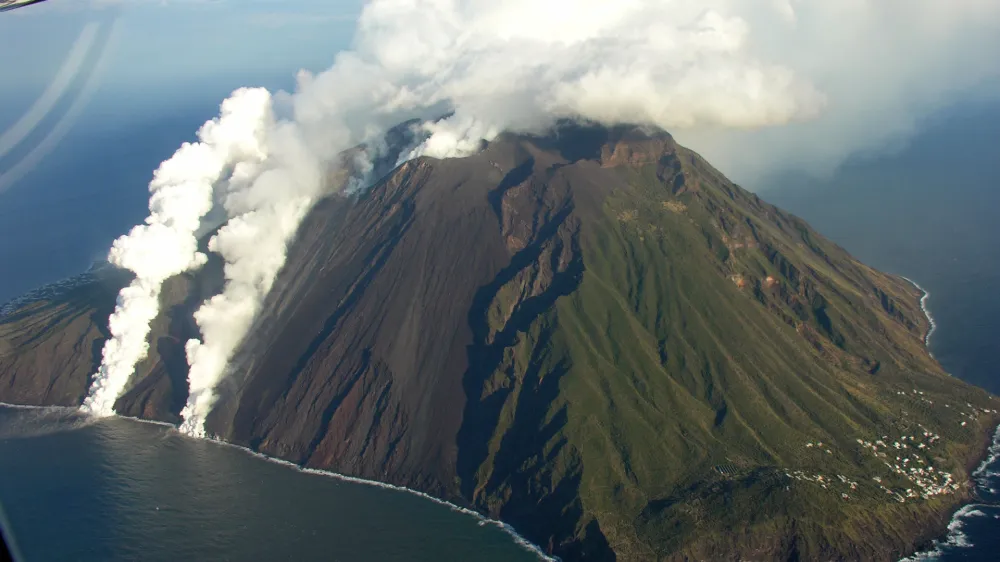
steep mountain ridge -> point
(592, 335)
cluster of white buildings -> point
(819, 445)
(905, 457)
(824, 481)
(976, 412)
(805, 477)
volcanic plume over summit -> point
(691, 67)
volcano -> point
(592, 335)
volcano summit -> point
(591, 335)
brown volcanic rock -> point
(159, 388)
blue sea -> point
(124, 490)
(80, 489)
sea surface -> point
(117, 489)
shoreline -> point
(518, 539)
(927, 313)
(955, 537)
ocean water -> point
(116, 489)
(932, 214)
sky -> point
(171, 47)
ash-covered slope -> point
(595, 337)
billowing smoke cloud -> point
(748, 81)
(166, 245)
(521, 65)
(267, 201)
(756, 85)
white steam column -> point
(266, 201)
(167, 244)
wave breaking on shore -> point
(44, 420)
(927, 313)
(483, 520)
(65, 418)
(957, 538)
(987, 470)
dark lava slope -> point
(593, 336)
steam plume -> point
(755, 85)
(181, 194)
(267, 203)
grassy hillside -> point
(703, 377)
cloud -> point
(883, 66)
(519, 65)
(755, 84)
(181, 194)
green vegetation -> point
(713, 357)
